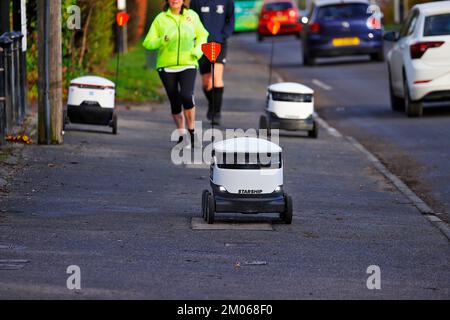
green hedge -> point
(97, 32)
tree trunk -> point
(85, 34)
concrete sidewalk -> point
(120, 210)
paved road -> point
(352, 94)
(118, 208)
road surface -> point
(352, 94)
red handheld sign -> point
(211, 50)
(122, 18)
(274, 27)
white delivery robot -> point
(290, 106)
(91, 101)
(246, 177)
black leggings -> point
(180, 88)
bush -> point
(84, 51)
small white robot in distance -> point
(290, 106)
(91, 100)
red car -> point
(284, 11)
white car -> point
(419, 62)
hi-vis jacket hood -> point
(178, 39)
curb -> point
(423, 208)
(421, 205)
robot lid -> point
(290, 87)
(93, 81)
(246, 145)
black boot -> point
(208, 95)
(218, 97)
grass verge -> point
(136, 82)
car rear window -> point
(278, 6)
(343, 11)
(438, 25)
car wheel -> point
(308, 59)
(260, 38)
(379, 56)
(413, 108)
(397, 104)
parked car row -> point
(331, 28)
(418, 62)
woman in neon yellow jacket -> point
(178, 34)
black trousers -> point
(179, 88)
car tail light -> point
(418, 49)
(314, 27)
(421, 81)
(373, 23)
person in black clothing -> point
(218, 18)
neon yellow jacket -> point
(178, 39)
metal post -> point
(44, 130)
(16, 92)
(4, 16)
(2, 98)
(20, 24)
(122, 34)
(4, 43)
(271, 60)
(21, 62)
(10, 94)
(213, 64)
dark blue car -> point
(342, 27)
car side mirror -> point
(391, 36)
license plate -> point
(337, 42)
(280, 18)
